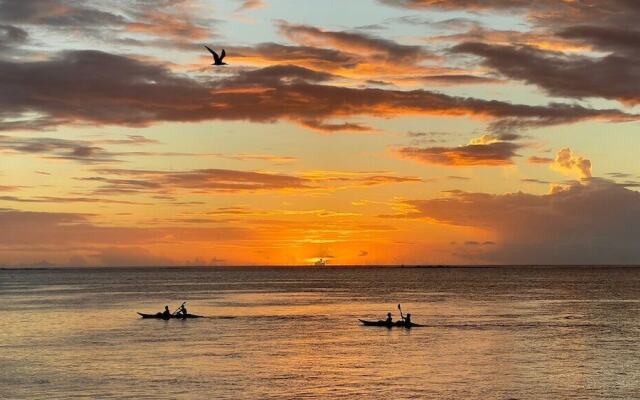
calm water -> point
(502, 333)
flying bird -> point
(217, 59)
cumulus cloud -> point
(569, 163)
(594, 222)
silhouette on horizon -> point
(180, 313)
(217, 59)
(405, 322)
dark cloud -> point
(618, 175)
(203, 181)
(57, 13)
(612, 76)
(279, 74)
(200, 181)
(424, 138)
(540, 160)
(621, 13)
(133, 140)
(92, 87)
(332, 127)
(12, 36)
(462, 4)
(93, 152)
(458, 79)
(57, 149)
(616, 39)
(161, 24)
(353, 42)
(609, 27)
(476, 243)
(488, 150)
(597, 222)
(531, 180)
(424, 134)
(53, 199)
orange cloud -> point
(160, 23)
(353, 42)
(251, 5)
(567, 162)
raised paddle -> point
(178, 308)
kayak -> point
(178, 316)
(399, 324)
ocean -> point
(293, 333)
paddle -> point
(400, 308)
(178, 308)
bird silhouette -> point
(217, 59)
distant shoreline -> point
(327, 267)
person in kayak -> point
(389, 319)
(166, 314)
(183, 311)
(407, 319)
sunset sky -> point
(359, 132)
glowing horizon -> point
(372, 132)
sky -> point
(360, 132)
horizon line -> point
(305, 266)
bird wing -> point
(222, 55)
(216, 58)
